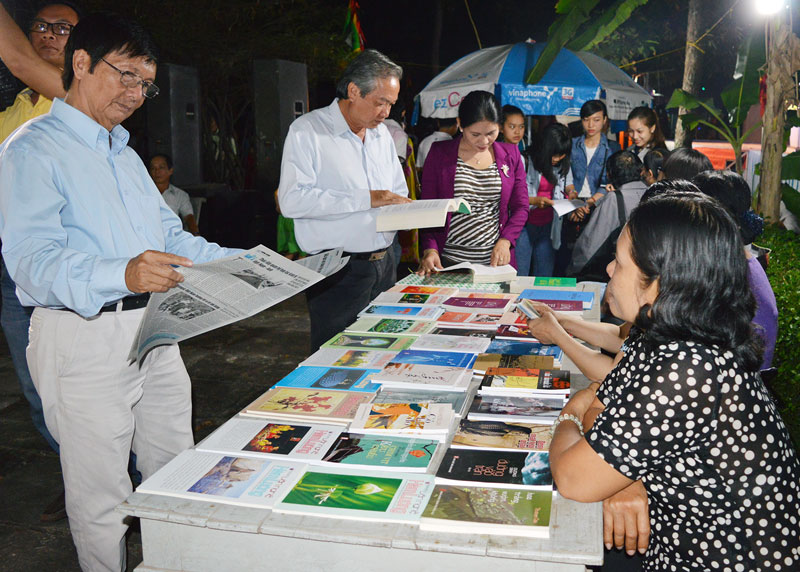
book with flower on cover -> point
(228, 479)
(305, 405)
(343, 357)
(484, 361)
(251, 437)
(495, 467)
(358, 341)
(499, 435)
(524, 381)
(338, 378)
(428, 419)
(380, 325)
(426, 213)
(487, 510)
(342, 492)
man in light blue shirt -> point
(339, 165)
(86, 235)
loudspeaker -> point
(173, 122)
(280, 97)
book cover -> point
(499, 435)
(403, 418)
(495, 467)
(484, 273)
(362, 495)
(413, 454)
(340, 357)
(516, 347)
(462, 282)
(339, 406)
(423, 376)
(515, 409)
(559, 281)
(473, 333)
(408, 298)
(407, 311)
(586, 298)
(487, 360)
(477, 303)
(251, 437)
(411, 289)
(339, 378)
(515, 332)
(439, 358)
(563, 305)
(229, 479)
(391, 326)
(483, 510)
(456, 399)
(356, 341)
(525, 381)
(470, 320)
(438, 342)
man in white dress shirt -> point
(178, 200)
(339, 166)
(446, 130)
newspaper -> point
(225, 291)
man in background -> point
(339, 166)
(177, 199)
(48, 33)
(446, 129)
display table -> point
(180, 534)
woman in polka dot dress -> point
(684, 413)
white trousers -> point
(98, 406)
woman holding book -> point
(684, 415)
(490, 176)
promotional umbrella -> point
(572, 79)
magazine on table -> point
(225, 291)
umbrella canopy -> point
(573, 79)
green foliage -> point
(611, 19)
(784, 275)
(791, 198)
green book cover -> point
(494, 506)
(410, 454)
(555, 281)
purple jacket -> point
(438, 179)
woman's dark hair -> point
(102, 34)
(733, 192)
(649, 118)
(654, 160)
(511, 110)
(691, 245)
(553, 140)
(685, 163)
(478, 106)
(668, 186)
(593, 106)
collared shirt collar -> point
(340, 126)
(91, 132)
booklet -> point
(408, 298)
(451, 343)
(406, 311)
(338, 378)
(357, 341)
(383, 452)
(510, 436)
(379, 325)
(418, 214)
(524, 381)
(342, 357)
(586, 298)
(494, 467)
(484, 361)
(429, 419)
(306, 405)
(515, 409)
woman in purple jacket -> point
(490, 176)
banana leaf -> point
(611, 19)
(743, 92)
(790, 166)
(791, 198)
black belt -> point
(133, 302)
(371, 256)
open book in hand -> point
(419, 214)
(482, 272)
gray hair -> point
(365, 71)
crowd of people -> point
(678, 435)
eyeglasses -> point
(58, 28)
(130, 79)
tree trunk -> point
(779, 84)
(691, 70)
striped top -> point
(472, 237)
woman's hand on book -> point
(626, 519)
(501, 253)
(546, 329)
(430, 262)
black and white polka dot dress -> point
(705, 438)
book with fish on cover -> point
(338, 378)
(228, 479)
(499, 435)
(359, 494)
(320, 405)
(251, 437)
(486, 510)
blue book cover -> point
(517, 348)
(441, 358)
(586, 298)
(419, 312)
(313, 377)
